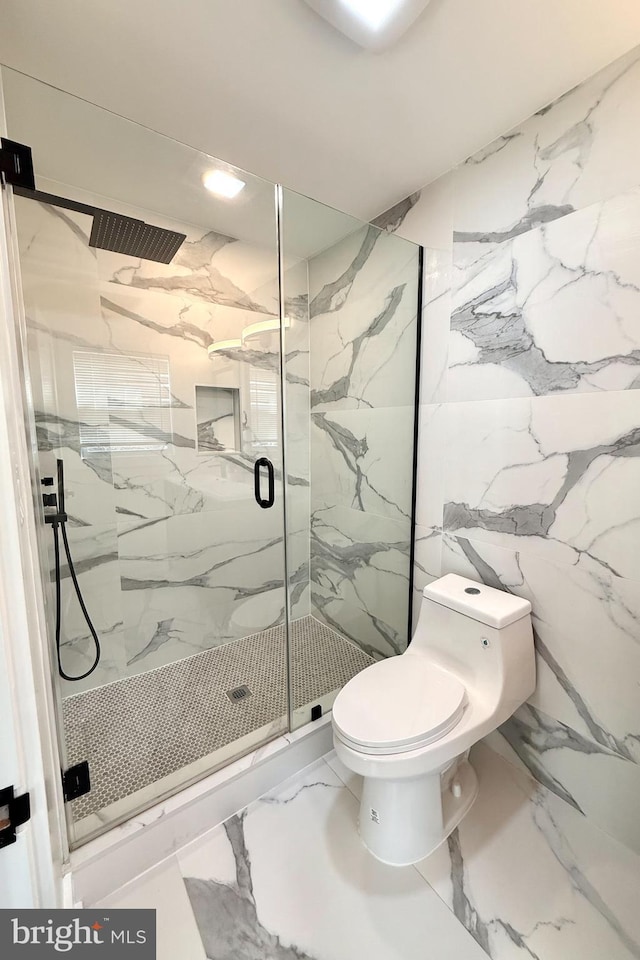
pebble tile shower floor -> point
(135, 731)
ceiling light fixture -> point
(264, 326)
(373, 24)
(223, 184)
(223, 345)
(373, 13)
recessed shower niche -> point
(217, 418)
(236, 432)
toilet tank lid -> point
(494, 607)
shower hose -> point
(59, 520)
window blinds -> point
(123, 401)
(263, 404)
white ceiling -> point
(269, 86)
(88, 154)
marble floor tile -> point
(594, 779)
(351, 780)
(524, 876)
(288, 879)
(162, 889)
(529, 876)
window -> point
(263, 419)
(123, 401)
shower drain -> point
(239, 693)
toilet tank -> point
(481, 634)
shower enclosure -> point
(230, 392)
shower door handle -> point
(271, 496)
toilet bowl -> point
(406, 724)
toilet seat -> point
(397, 705)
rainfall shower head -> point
(115, 232)
(112, 231)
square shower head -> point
(135, 238)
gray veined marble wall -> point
(529, 474)
(173, 555)
(363, 336)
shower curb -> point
(130, 849)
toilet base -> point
(403, 821)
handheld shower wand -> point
(58, 521)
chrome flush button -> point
(484, 642)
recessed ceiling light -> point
(223, 184)
(374, 13)
(373, 24)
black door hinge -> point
(76, 781)
(14, 811)
(16, 164)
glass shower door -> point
(351, 353)
(157, 386)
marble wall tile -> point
(555, 476)
(94, 550)
(554, 310)
(360, 576)
(425, 217)
(527, 875)
(363, 342)
(361, 459)
(298, 546)
(363, 332)
(295, 291)
(427, 564)
(209, 267)
(192, 582)
(432, 445)
(436, 317)
(53, 245)
(583, 680)
(532, 445)
(580, 732)
(597, 781)
(174, 553)
(582, 148)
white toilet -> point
(406, 724)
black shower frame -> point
(416, 437)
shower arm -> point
(55, 201)
(115, 231)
